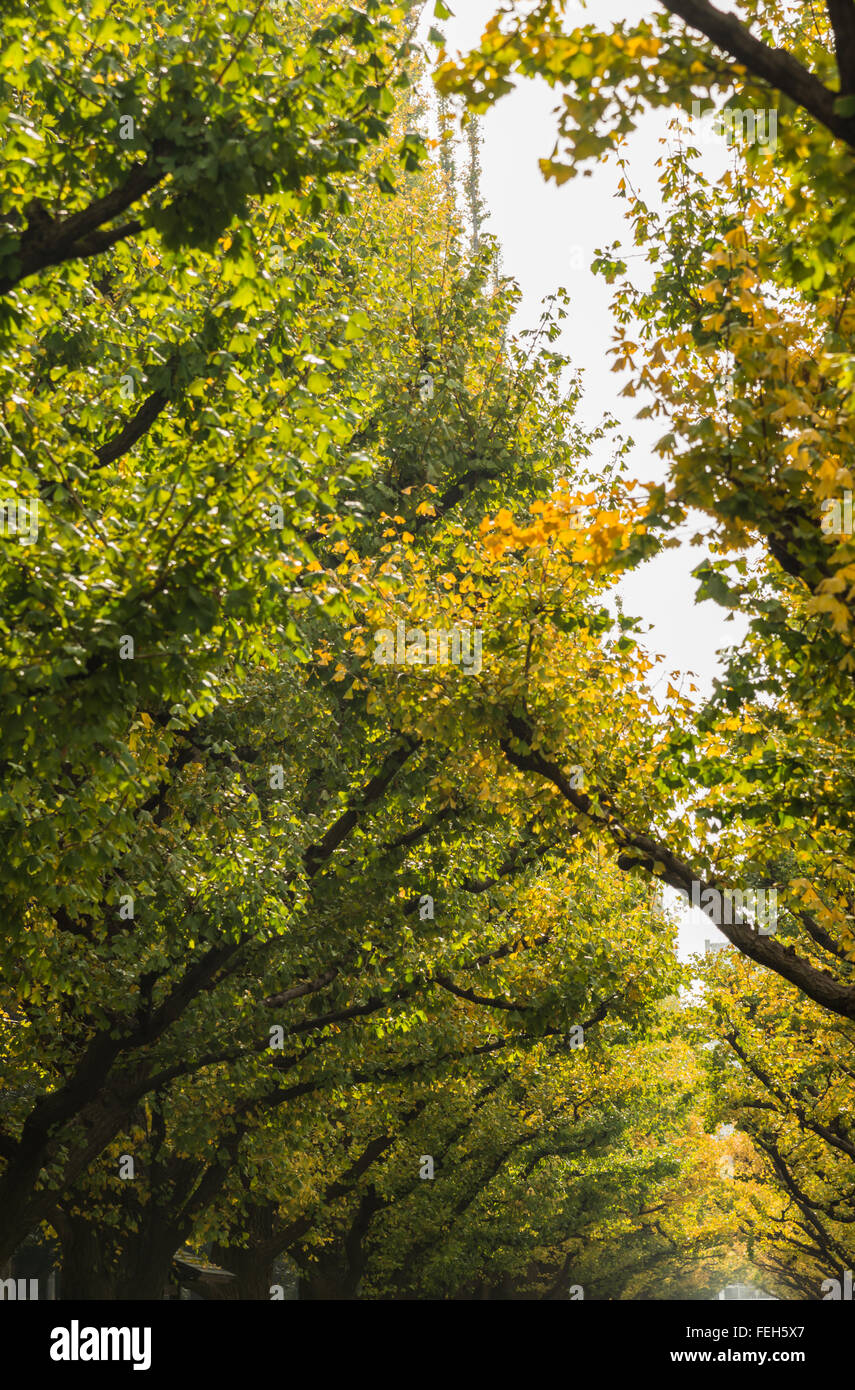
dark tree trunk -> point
(253, 1271)
(251, 1264)
(87, 1271)
(92, 1268)
(329, 1283)
(147, 1266)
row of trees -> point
(320, 958)
(741, 341)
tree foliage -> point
(293, 906)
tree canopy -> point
(338, 801)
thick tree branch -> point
(133, 430)
(316, 855)
(789, 1103)
(641, 851)
(47, 241)
(842, 16)
(773, 65)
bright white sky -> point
(548, 235)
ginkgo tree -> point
(781, 1073)
(292, 906)
(157, 958)
(742, 344)
(165, 389)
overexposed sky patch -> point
(548, 236)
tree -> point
(157, 959)
(322, 783)
(156, 579)
(780, 1072)
(745, 352)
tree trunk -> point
(87, 1269)
(146, 1264)
(327, 1283)
(251, 1264)
(253, 1272)
(92, 1268)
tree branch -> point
(842, 16)
(641, 851)
(47, 241)
(780, 69)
